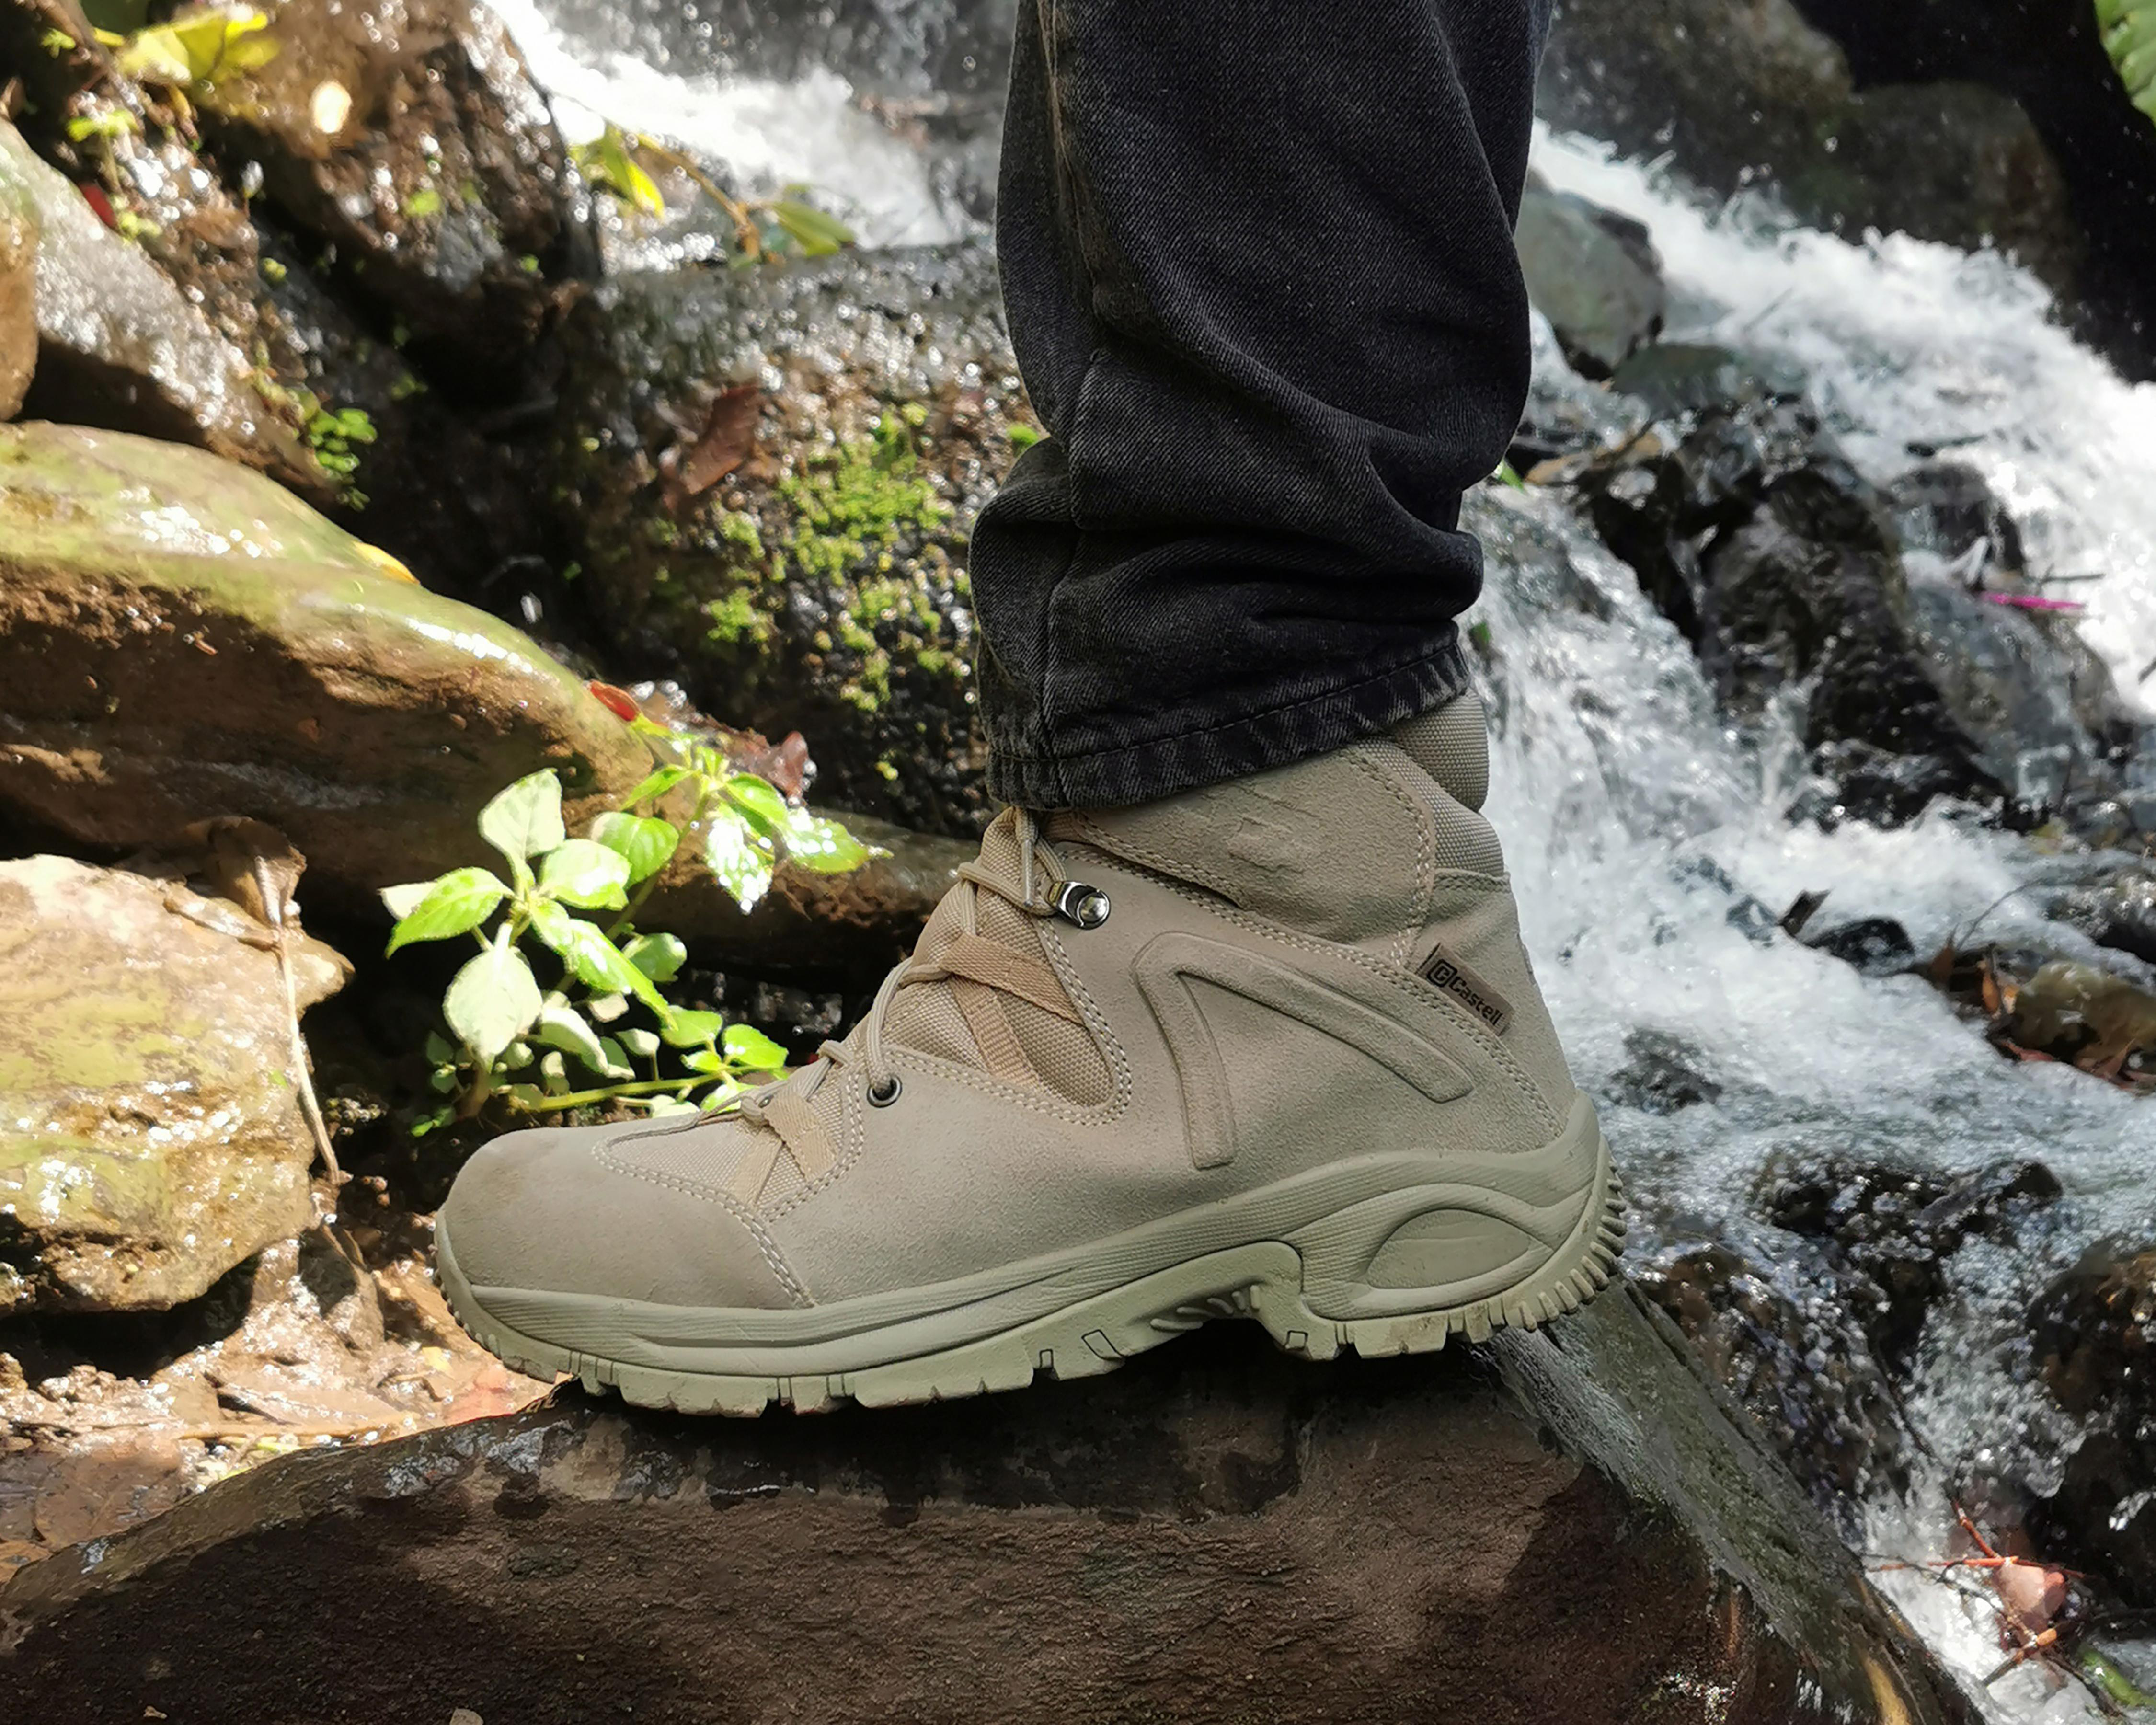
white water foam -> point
(1615, 782)
(771, 134)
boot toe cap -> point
(566, 1211)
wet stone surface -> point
(2096, 1344)
(1368, 1522)
(770, 474)
(152, 1136)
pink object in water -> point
(2034, 602)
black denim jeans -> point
(1258, 258)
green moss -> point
(737, 527)
(736, 622)
(858, 503)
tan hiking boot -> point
(1271, 1048)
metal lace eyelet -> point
(885, 1092)
(1081, 905)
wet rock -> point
(2116, 911)
(769, 474)
(179, 638)
(1594, 273)
(1773, 103)
(1551, 1482)
(1673, 377)
(153, 1137)
(1794, 1363)
(1889, 1232)
(1661, 1075)
(434, 170)
(18, 282)
(1756, 537)
(2054, 64)
(2038, 703)
(29, 50)
(451, 502)
(1948, 509)
(120, 345)
(2096, 1342)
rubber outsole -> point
(1263, 1281)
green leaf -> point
(493, 1000)
(643, 1044)
(2128, 31)
(646, 843)
(661, 782)
(821, 846)
(455, 903)
(660, 957)
(585, 873)
(425, 202)
(524, 820)
(554, 1072)
(703, 1060)
(592, 958)
(440, 1050)
(750, 1051)
(433, 1119)
(689, 1028)
(670, 1105)
(564, 1028)
(761, 803)
(401, 901)
(819, 233)
(738, 856)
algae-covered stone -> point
(771, 475)
(150, 1136)
(180, 640)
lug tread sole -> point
(1261, 1281)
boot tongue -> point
(1027, 1046)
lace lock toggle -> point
(1081, 905)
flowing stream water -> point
(1615, 779)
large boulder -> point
(1594, 274)
(2095, 1342)
(1744, 93)
(409, 137)
(182, 639)
(150, 1132)
(18, 287)
(1786, 567)
(119, 345)
(1253, 1536)
(769, 476)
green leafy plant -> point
(198, 49)
(2129, 38)
(331, 433)
(763, 228)
(603, 1030)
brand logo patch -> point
(1441, 970)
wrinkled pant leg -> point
(1259, 264)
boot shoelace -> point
(786, 1108)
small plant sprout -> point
(602, 1030)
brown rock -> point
(1552, 1526)
(120, 346)
(439, 171)
(152, 1136)
(181, 640)
(19, 288)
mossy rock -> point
(150, 1136)
(180, 638)
(771, 475)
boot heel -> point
(1404, 1274)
